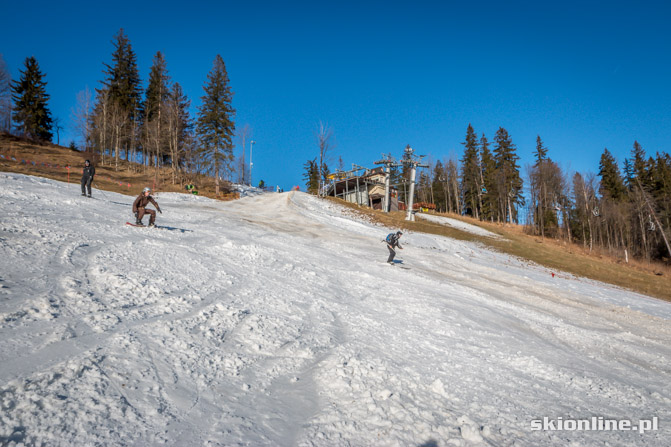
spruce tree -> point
(488, 180)
(612, 185)
(438, 187)
(541, 151)
(539, 189)
(155, 101)
(157, 89)
(31, 113)
(507, 175)
(470, 174)
(215, 126)
(311, 176)
(628, 174)
(454, 197)
(123, 78)
(123, 95)
(640, 166)
(662, 188)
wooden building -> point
(365, 189)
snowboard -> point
(155, 227)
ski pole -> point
(104, 195)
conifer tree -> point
(541, 151)
(123, 78)
(155, 102)
(548, 194)
(628, 174)
(539, 192)
(640, 166)
(439, 187)
(454, 196)
(123, 92)
(215, 126)
(612, 185)
(488, 180)
(507, 175)
(470, 174)
(662, 188)
(31, 112)
(311, 176)
(157, 88)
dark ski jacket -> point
(89, 172)
(142, 202)
(394, 241)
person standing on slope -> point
(140, 204)
(392, 241)
(87, 177)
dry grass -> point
(650, 279)
(107, 177)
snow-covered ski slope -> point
(459, 225)
(273, 320)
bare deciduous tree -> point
(245, 135)
(81, 118)
(5, 97)
(58, 127)
(326, 145)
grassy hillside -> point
(652, 279)
(51, 161)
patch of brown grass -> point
(107, 177)
(649, 279)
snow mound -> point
(246, 190)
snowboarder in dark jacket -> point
(392, 241)
(87, 177)
(139, 207)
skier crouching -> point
(392, 241)
(139, 207)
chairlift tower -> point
(414, 161)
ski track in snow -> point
(273, 320)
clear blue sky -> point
(582, 75)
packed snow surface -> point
(459, 225)
(274, 320)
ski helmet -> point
(399, 233)
(146, 189)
